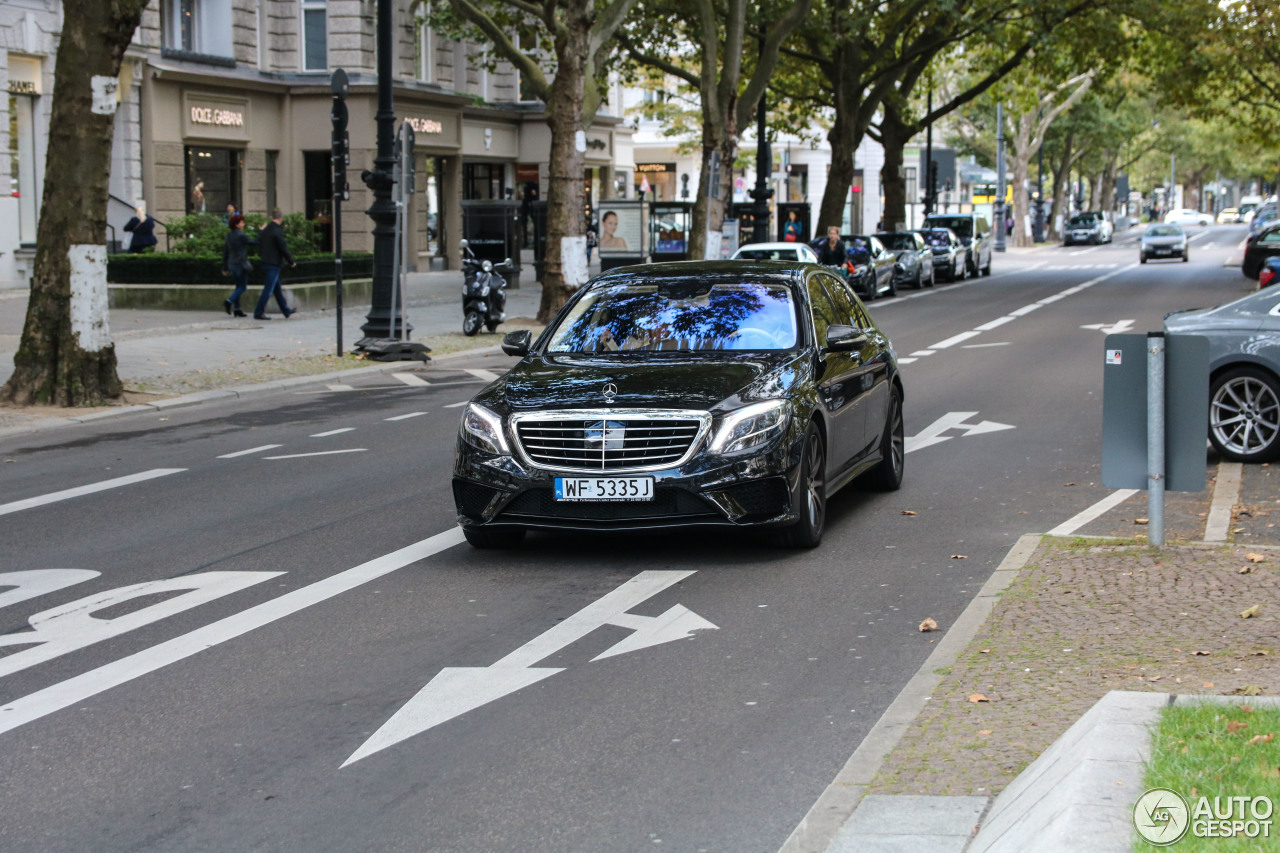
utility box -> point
(1186, 412)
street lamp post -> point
(928, 159)
(764, 167)
(1039, 224)
(998, 207)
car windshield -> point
(766, 254)
(937, 238)
(684, 315)
(897, 242)
(962, 225)
(1164, 231)
(1081, 221)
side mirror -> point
(840, 337)
(463, 243)
(517, 343)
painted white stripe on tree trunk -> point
(1071, 525)
(44, 702)
(89, 296)
(54, 497)
(249, 451)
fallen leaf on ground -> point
(1251, 612)
(978, 697)
(985, 652)
(928, 625)
(909, 512)
(959, 557)
(1255, 558)
(988, 731)
(1267, 738)
(1206, 685)
(1068, 484)
(1155, 678)
(1261, 653)
(1247, 690)
(1237, 530)
(1202, 653)
(1245, 570)
(1234, 726)
(1140, 521)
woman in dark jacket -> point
(143, 228)
(235, 262)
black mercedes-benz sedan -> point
(725, 394)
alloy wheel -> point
(815, 499)
(1244, 416)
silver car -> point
(775, 252)
(1244, 372)
(1163, 241)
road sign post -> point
(340, 154)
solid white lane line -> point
(67, 693)
(955, 339)
(994, 324)
(65, 494)
(405, 417)
(410, 379)
(1226, 493)
(456, 405)
(250, 450)
(1071, 525)
(337, 386)
(319, 453)
(486, 375)
(333, 432)
(984, 346)
(1026, 309)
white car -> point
(775, 252)
(1187, 216)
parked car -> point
(798, 252)
(1088, 227)
(870, 267)
(1264, 215)
(1260, 245)
(1228, 216)
(948, 252)
(973, 231)
(699, 393)
(1187, 216)
(914, 257)
(1163, 241)
(1244, 378)
(1270, 272)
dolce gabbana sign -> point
(425, 125)
(210, 115)
(215, 116)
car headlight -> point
(751, 427)
(482, 429)
(487, 266)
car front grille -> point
(609, 440)
(669, 504)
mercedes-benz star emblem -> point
(610, 391)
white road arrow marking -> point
(1113, 328)
(457, 690)
(933, 433)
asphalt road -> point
(228, 653)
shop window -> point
(273, 160)
(315, 38)
(22, 165)
(481, 181)
(317, 184)
(198, 29)
(213, 179)
(797, 182)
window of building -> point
(483, 181)
(798, 182)
(425, 56)
(315, 39)
(198, 28)
(913, 188)
(22, 165)
(273, 160)
(528, 42)
(213, 178)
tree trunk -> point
(709, 213)
(844, 138)
(894, 136)
(1061, 177)
(66, 356)
(1020, 163)
(566, 261)
(1108, 196)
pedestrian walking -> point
(143, 228)
(273, 251)
(235, 262)
(591, 240)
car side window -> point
(1272, 237)
(824, 313)
(860, 318)
(841, 299)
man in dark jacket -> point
(144, 230)
(272, 252)
(831, 252)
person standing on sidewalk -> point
(273, 251)
(235, 262)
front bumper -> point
(757, 490)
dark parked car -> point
(1261, 244)
(1244, 377)
(870, 270)
(948, 252)
(727, 394)
(973, 231)
(914, 257)
(1270, 273)
(1265, 215)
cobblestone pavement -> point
(1086, 616)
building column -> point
(451, 210)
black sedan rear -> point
(1262, 244)
(724, 394)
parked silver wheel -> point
(1244, 415)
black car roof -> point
(787, 272)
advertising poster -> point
(621, 229)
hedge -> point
(207, 269)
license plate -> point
(604, 488)
(1164, 251)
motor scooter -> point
(484, 292)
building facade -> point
(228, 101)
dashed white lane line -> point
(1026, 309)
(479, 373)
(250, 450)
(333, 432)
(410, 379)
(456, 405)
(984, 346)
(66, 494)
(994, 324)
(67, 693)
(319, 453)
(921, 353)
(907, 360)
(340, 387)
(1071, 525)
(405, 417)
(953, 340)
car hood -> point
(659, 380)
(1163, 241)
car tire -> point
(1186, 256)
(1244, 415)
(807, 531)
(971, 269)
(887, 475)
(893, 288)
(493, 537)
(987, 269)
(870, 292)
(1142, 257)
(471, 323)
(919, 277)
(933, 278)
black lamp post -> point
(381, 320)
(764, 167)
(1038, 227)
